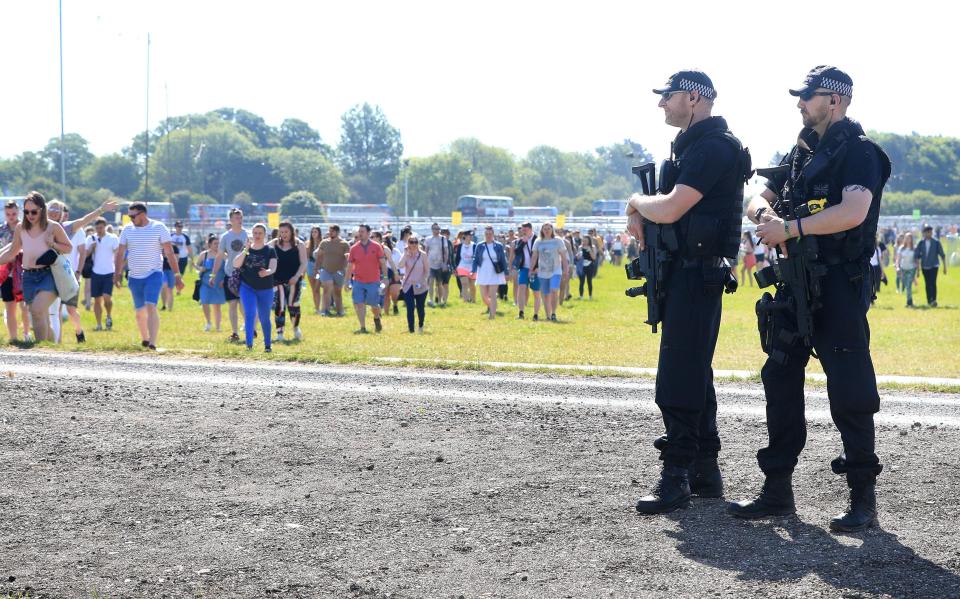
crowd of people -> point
(261, 274)
(897, 248)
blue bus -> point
(609, 207)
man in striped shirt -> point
(143, 244)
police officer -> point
(831, 194)
(701, 198)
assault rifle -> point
(798, 271)
(660, 244)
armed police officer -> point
(698, 208)
(822, 215)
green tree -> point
(435, 183)
(617, 159)
(243, 201)
(45, 185)
(261, 134)
(183, 199)
(495, 165)
(218, 160)
(114, 172)
(369, 146)
(300, 203)
(77, 156)
(295, 133)
(16, 172)
(308, 170)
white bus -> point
(350, 215)
(472, 206)
(535, 213)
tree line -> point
(234, 156)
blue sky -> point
(574, 75)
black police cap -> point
(826, 77)
(686, 81)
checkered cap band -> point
(837, 86)
(705, 91)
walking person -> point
(415, 284)
(523, 261)
(438, 253)
(11, 287)
(86, 271)
(906, 264)
(313, 244)
(59, 212)
(257, 264)
(490, 265)
(40, 239)
(463, 258)
(143, 245)
(929, 253)
(332, 260)
(394, 275)
(549, 263)
(232, 243)
(212, 296)
(569, 271)
(747, 258)
(102, 247)
(291, 264)
(367, 266)
(181, 241)
(588, 264)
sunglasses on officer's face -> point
(808, 95)
(665, 96)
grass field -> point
(606, 331)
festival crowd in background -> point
(261, 274)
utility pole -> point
(146, 132)
(63, 145)
(406, 202)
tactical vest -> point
(814, 184)
(713, 226)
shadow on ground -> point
(782, 550)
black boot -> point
(672, 492)
(705, 479)
(775, 499)
(862, 513)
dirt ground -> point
(126, 477)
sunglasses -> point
(31, 212)
(665, 96)
(134, 214)
(806, 96)
(413, 243)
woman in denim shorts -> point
(36, 236)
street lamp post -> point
(63, 146)
(406, 202)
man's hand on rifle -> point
(635, 221)
(767, 217)
(772, 230)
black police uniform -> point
(711, 160)
(841, 333)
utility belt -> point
(716, 272)
(771, 329)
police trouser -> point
(684, 389)
(841, 339)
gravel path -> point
(131, 477)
